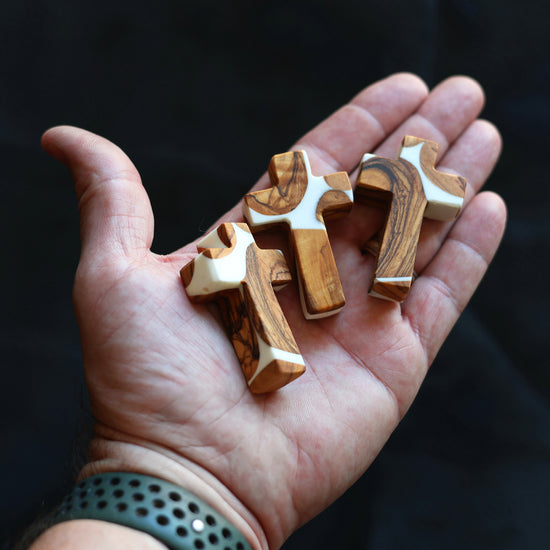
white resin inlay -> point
(441, 205)
(367, 156)
(392, 279)
(212, 240)
(304, 215)
(268, 353)
(388, 280)
(215, 274)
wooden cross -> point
(238, 275)
(410, 188)
(302, 202)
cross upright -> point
(302, 202)
(410, 189)
(233, 271)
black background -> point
(188, 89)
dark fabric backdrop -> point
(200, 95)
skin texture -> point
(165, 386)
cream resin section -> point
(215, 274)
(304, 215)
(441, 205)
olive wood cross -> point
(231, 270)
(410, 188)
(302, 202)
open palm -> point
(163, 378)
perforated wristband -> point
(165, 511)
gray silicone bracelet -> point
(165, 511)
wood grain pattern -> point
(303, 202)
(409, 188)
(232, 271)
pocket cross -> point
(303, 201)
(238, 275)
(410, 188)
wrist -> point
(110, 452)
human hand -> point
(165, 385)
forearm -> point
(93, 534)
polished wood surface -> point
(302, 202)
(409, 189)
(232, 271)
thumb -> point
(115, 212)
